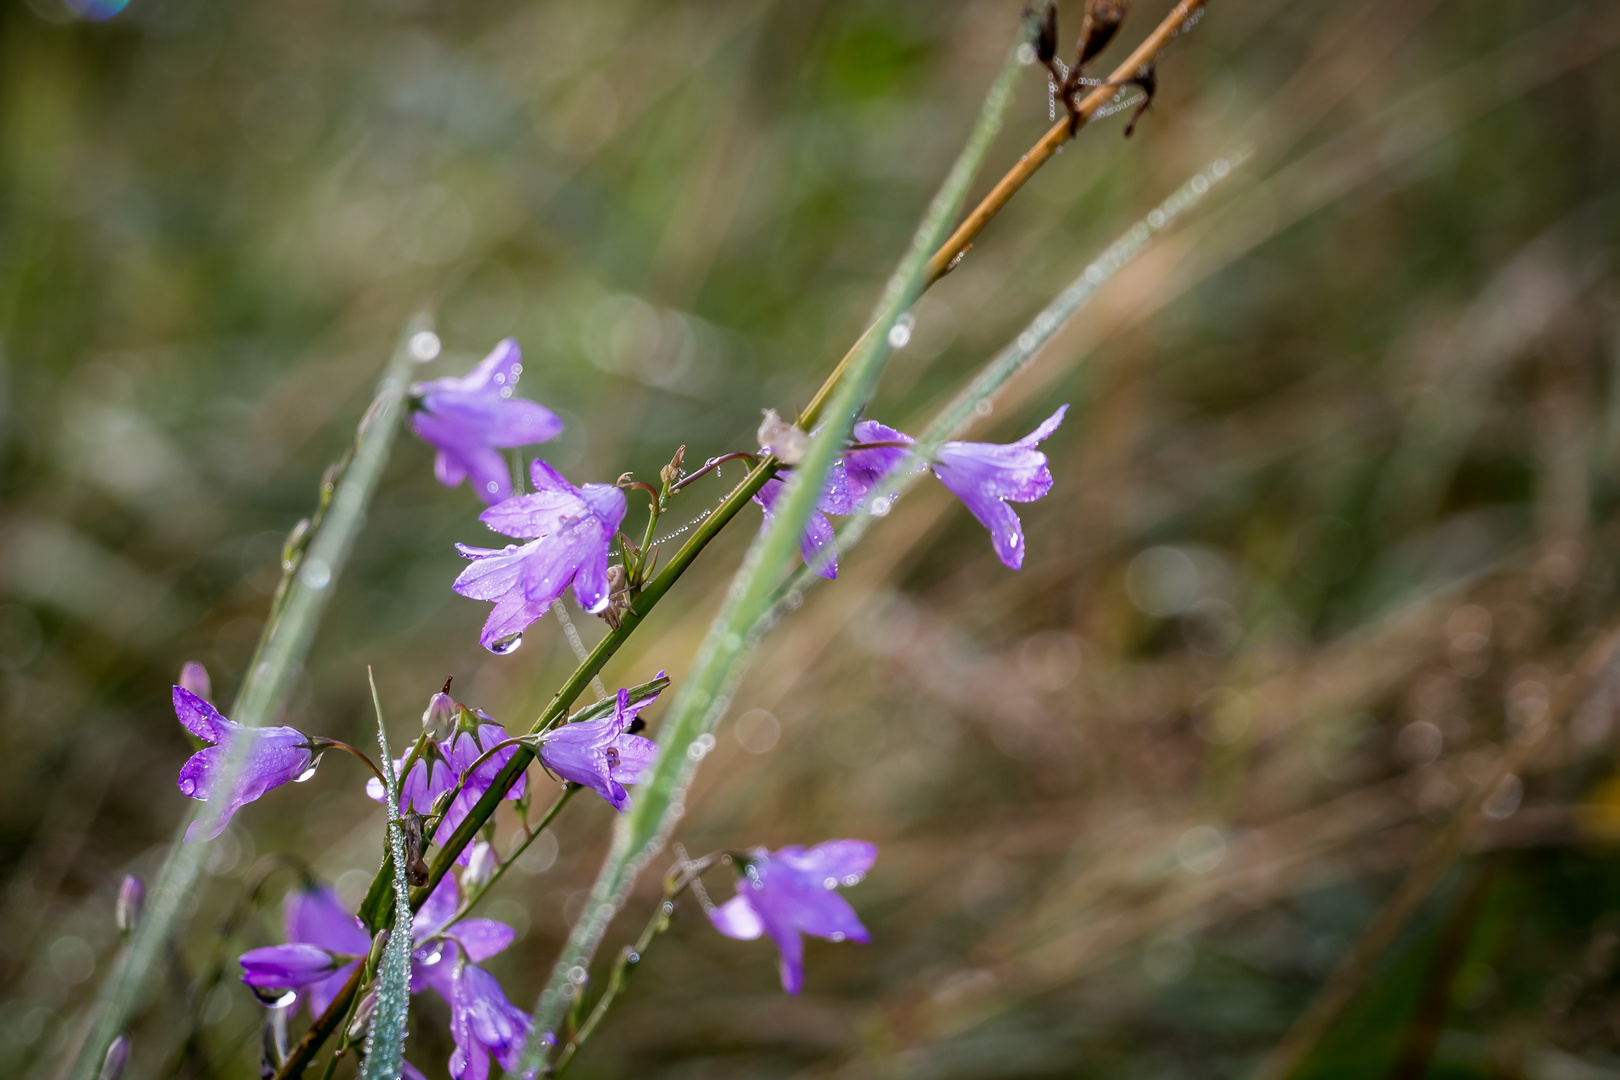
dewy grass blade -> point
(385, 1039)
(955, 417)
(685, 736)
(282, 649)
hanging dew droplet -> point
(424, 345)
(507, 645)
(308, 773)
(835, 936)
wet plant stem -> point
(374, 912)
(321, 742)
(679, 879)
(531, 835)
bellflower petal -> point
(288, 966)
(791, 892)
(471, 419)
(570, 531)
(864, 468)
(270, 757)
(816, 545)
(986, 476)
(600, 754)
(483, 1022)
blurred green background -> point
(1334, 513)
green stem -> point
(282, 649)
(660, 797)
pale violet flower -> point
(792, 891)
(269, 757)
(603, 755)
(569, 531)
(471, 419)
(987, 476)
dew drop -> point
(633, 957)
(852, 879)
(576, 974)
(507, 645)
(900, 332)
(668, 908)
(492, 487)
(284, 1000)
(881, 505)
(308, 773)
(424, 345)
(835, 936)
(830, 883)
(434, 957)
(317, 575)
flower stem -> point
(321, 742)
(709, 466)
(500, 871)
(282, 648)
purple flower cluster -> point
(985, 476)
(325, 942)
(790, 892)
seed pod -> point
(1098, 27)
(416, 869)
(131, 902)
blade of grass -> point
(385, 1039)
(660, 799)
(282, 648)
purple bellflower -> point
(270, 757)
(471, 419)
(324, 943)
(816, 544)
(859, 471)
(569, 531)
(986, 476)
(790, 892)
(604, 755)
(482, 1021)
(441, 764)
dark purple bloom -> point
(857, 472)
(986, 476)
(441, 764)
(482, 1020)
(570, 530)
(791, 892)
(471, 419)
(324, 943)
(270, 757)
(816, 544)
(601, 754)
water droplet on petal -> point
(507, 645)
(830, 883)
(284, 1000)
(308, 773)
(835, 936)
(852, 879)
(434, 957)
(492, 487)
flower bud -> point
(131, 901)
(112, 1066)
(481, 865)
(194, 677)
(672, 472)
(777, 436)
(362, 1014)
(440, 715)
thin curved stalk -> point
(660, 798)
(280, 656)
